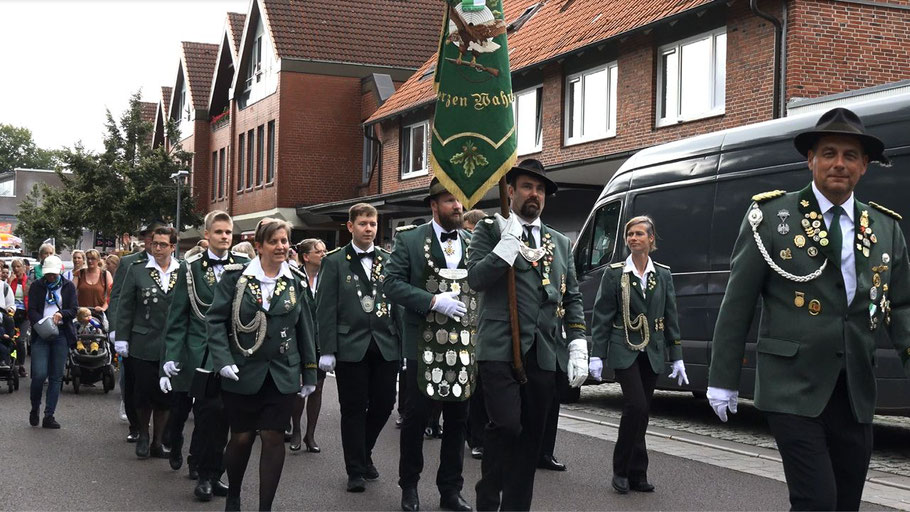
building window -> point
(240, 160)
(249, 159)
(270, 167)
(692, 78)
(260, 152)
(254, 69)
(414, 150)
(528, 123)
(368, 152)
(591, 104)
(214, 172)
(221, 175)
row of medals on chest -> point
(437, 282)
(812, 225)
(448, 380)
(368, 302)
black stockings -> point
(271, 462)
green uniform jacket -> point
(659, 306)
(184, 338)
(543, 308)
(808, 333)
(288, 324)
(345, 330)
(406, 280)
(142, 311)
(119, 276)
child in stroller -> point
(87, 326)
(7, 340)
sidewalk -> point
(881, 488)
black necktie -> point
(370, 254)
(529, 236)
(835, 235)
(451, 235)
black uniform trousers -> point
(129, 393)
(181, 406)
(477, 416)
(418, 407)
(210, 436)
(549, 433)
(366, 394)
(513, 437)
(825, 458)
(630, 455)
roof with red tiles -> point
(199, 66)
(147, 111)
(559, 27)
(395, 33)
(166, 98)
(235, 26)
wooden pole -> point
(518, 368)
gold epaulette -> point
(406, 228)
(618, 264)
(195, 257)
(233, 266)
(241, 254)
(333, 251)
(661, 265)
(885, 210)
(764, 196)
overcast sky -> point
(64, 62)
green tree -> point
(43, 216)
(18, 150)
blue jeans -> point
(48, 361)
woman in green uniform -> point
(633, 329)
(260, 336)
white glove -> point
(111, 336)
(721, 400)
(170, 368)
(122, 348)
(448, 304)
(327, 362)
(306, 390)
(230, 372)
(578, 362)
(509, 239)
(165, 384)
(679, 372)
(596, 368)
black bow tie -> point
(451, 235)
(215, 261)
(370, 254)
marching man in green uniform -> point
(830, 272)
(548, 298)
(428, 276)
(147, 291)
(359, 341)
(186, 350)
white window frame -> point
(406, 172)
(612, 69)
(662, 118)
(537, 94)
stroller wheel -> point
(9, 386)
(75, 384)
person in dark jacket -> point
(51, 300)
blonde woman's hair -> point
(245, 248)
(651, 230)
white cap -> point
(52, 265)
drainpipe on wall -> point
(231, 160)
(376, 163)
(780, 62)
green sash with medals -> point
(446, 364)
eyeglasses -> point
(160, 245)
(316, 252)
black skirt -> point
(268, 409)
(146, 389)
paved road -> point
(88, 466)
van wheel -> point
(700, 395)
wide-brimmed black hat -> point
(532, 167)
(842, 121)
(434, 190)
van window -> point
(597, 242)
(682, 216)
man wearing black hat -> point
(428, 275)
(830, 271)
(548, 300)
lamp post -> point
(177, 177)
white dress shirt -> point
(454, 259)
(366, 262)
(164, 275)
(535, 230)
(642, 278)
(266, 284)
(217, 269)
(848, 232)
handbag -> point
(205, 383)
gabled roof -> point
(198, 61)
(166, 98)
(226, 60)
(160, 115)
(235, 23)
(557, 28)
(147, 111)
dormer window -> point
(182, 106)
(254, 70)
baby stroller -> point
(8, 345)
(88, 368)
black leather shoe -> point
(232, 504)
(193, 473)
(49, 422)
(219, 488)
(641, 486)
(175, 459)
(621, 484)
(203, 490)
(356, 484)
(550, 462)
(142, 446)
(477, 452)
(132, 437)
(409, 500)
(159, 452)
(454, 502)
(33, 417)
(371, 474)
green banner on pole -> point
(473, 140)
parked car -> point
(698, 190)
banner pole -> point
(518, 368)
